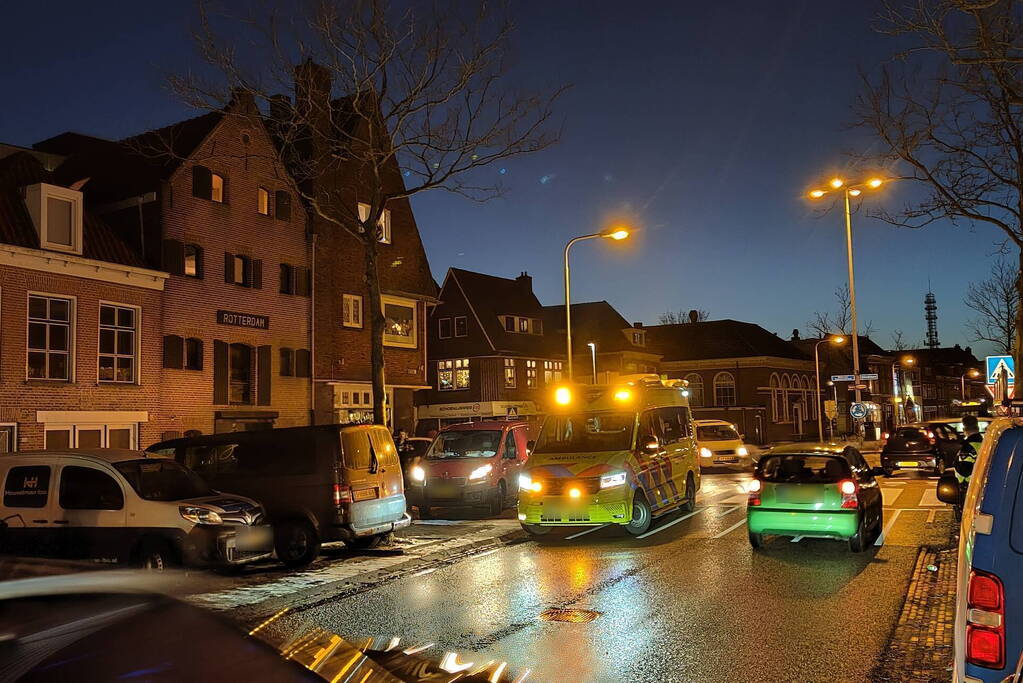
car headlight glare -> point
(609, 480)
(705, 453)
(418, 473)
(742, 451)
(200, 515)
(525, 483)
(481, 471)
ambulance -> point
(622, 453)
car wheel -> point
(365, 542)
(536, 531)
(690, 503)
(889, 471)
(878, 527)
(642, 516)
(155, 555)
(858, 543)
(497, 503)
(756, 541)
(296, 543)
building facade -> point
(934, 383)
(80, 319)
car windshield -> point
(586, 433)
(468, 443)
(803, 469)
(909, 433)
(155, 479)
(716, 433)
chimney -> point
(694, 316)
(638, 326)
(243, 99)
(312, 101)
(795, 335)
(525, 282)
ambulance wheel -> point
(690, 503)
(642, 517)
(536, 531)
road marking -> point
(796, 539)
(891, 496)
(887, 528)
(930, 499)
(671, 523)
(728, 511)
(737, 498)
(588, 531)
(930, 516)
(730, 529)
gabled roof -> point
(593, 321)
(491, 296)
(99, 241)
(718, 339)
(866, 346)
(946, 355)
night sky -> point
(706, 120)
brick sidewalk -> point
(920, 648)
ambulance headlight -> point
(611, 480)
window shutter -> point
(221, 359)
(173, 352)
(264, 373)
(174, 257)
(198, 261)
(303, 363)
(202, 182)
(282, 205)
(287, 362)
(228, 268)
(256, 274)
(305, 277)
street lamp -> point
(850, 190)
(593, 355)
(817, 364)
(972, 373)
(616, 233)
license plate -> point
(910, 463)
(364, 494)
(254, 538)
(727, 460)
(444, 491)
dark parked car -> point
(923, 447)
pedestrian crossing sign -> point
(999, 365)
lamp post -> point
(817, 365)
(972, 373)
(618, 233)
(907, 362)
(593, 356)
(848, 190)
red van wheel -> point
(497, 503)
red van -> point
(475, 464)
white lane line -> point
(930, 516)
(671, 523)
(588, 531)
(890, 496)
(796, 539)
(887, 528)
(930, 499)
(730, 529)
(736, 499)
(728, 511)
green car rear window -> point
(798, 468)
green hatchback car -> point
(815, 490)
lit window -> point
(216, 187)
(117, 333)
(383, 225)
(193, 260)
(530, 373)
(241, 270)
(453, 374)
(551, 371)
(724, 389)
(49, 338)
(351, 310)
(263, 201)
(400, 322)
(509, 373)
(523, 324)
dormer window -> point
(638, 339)
(57, 215)
(522, 325)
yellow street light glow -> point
(574, 493)
(619, 234)
(875, 183)
(909, 360)
(836, 183)
(974, 373)
(854, 193)
(623, 395)
(562, 396)
(838, 340)
(817, 194)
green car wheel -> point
(756, 541)
(858, 543)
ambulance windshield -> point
(586, 432)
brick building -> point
(208, 201)
(490, 353)
(933, 381)
(80, 318)
(742, 373)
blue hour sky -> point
(706, 121)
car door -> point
(651, 461)
(510, 462)
(388, 474)
(90, 513)
(674, 453)
(28, 511)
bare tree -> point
(696, 315)
(995, 301)
(824, 323)
(898, 341)
(947, 112)
(412, 100)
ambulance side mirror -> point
(650, 443)
(948, 488)
(530, 445)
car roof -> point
(484, 425)
(809, 448)
(714, 423)
(110, 455)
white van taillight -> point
(849, 489)
(985, 621)
(755, 487)
(342, 494)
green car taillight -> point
(849, 490)
(755, 487)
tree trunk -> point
(376, 324)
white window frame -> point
(61, 428)
(137, 351)
(36, 197)
(352, 300)
(509, 364)
(396, 340)
(465, 322)
(531, 374)
(72, 336)
(735, 397)
(103, 427)
(440, 334)
(384, 223)
(692, 390)
(454, 366)
(14, 435)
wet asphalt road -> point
(690, 602)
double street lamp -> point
(817, 364)
(850, 190)
(617, 234)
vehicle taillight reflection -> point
(848, 488)
(754, 489)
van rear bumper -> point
(371, 517)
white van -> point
(721, 445)
(124, 505)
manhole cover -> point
(574, 616)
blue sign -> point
(997, 365)
(858, 410)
